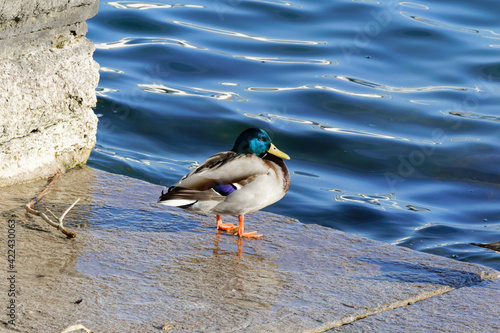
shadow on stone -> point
(419, 273)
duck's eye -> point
(261, 139)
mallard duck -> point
(249, 177)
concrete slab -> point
(136, 266)
(470, 309)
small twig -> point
(67, 210)
(53, 215)
(59, 225)
(47, 188)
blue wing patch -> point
(224, 189)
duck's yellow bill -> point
(276, 152)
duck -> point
(249, 177)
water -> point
(389, 110)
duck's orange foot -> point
(241, 230)
(224, 226)
(249, 234)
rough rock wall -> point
(47, 87)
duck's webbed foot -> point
(224, 226)
(241, 230)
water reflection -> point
(383, 201)
(111, 70)
(280, 2)
(423, 102)
(474, 116)
(217, 251)
(403, 90)
(271, 117)
(413, 5)
(268, 117)
(128, 156)
(316, 86)
(103, 92)
(137, 41)
(192, 91)
(440, 24)
(368, 1)
(305, 174)
(287, 60)
(371, 134)
(139, 5)
(141, 41)
(246, 36)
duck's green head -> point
(256, 141)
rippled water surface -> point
(389, 110)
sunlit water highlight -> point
(388, 109)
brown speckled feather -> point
(225, 168)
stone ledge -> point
(47, 87)
(26, 154)
(137, 266)
(24, 17)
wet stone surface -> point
(137, 266)
(469, 309)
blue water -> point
(389, 110)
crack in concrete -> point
(407, 303)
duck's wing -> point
(226, 168)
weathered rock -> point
(47, 87)
(137, 266)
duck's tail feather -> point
(181, 196)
